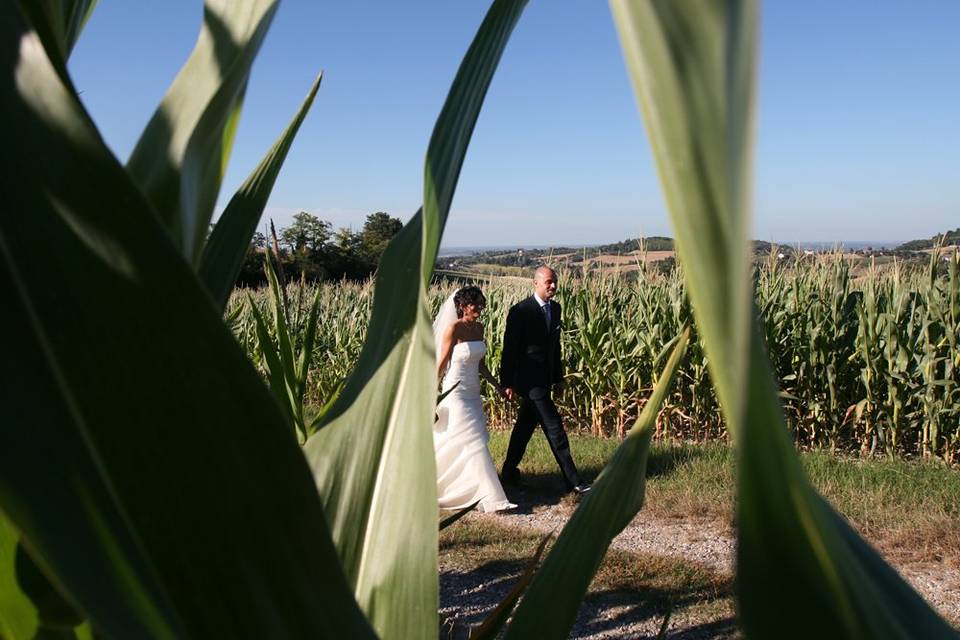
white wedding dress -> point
(465, 470)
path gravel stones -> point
(467, 598)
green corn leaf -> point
(271, 359)
(284, 348)
(54, 610)
(490, 628)
(692, 66)
(675, 53)
(181, 155)
(381, 497)
(549, 608)
(306, 349)
(449, 520)
(228, 243)
(169, 411)
(18, 616)
(444, 394)
(280, 329)
(58, 23)
(208, 149)
(50, 482)
(793, 544)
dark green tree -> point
(306, 234)
(251, 271)
(377, 232)
(344, 256)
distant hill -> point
(948, 238)
(654, 243)
(662, 243)
(525, 257)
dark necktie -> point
(546, 314)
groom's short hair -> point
(544, 269)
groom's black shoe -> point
(582, 488)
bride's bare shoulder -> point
(451, 331)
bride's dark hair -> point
(468, 295)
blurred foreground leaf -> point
(18, 616)
(192, 495)
(381, 495)
(801, 570)
(197, 119)
(58, 24)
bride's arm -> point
(446, 346)
(486, 375)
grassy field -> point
(910, 510)
(910, 507)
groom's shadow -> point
(541, 489)
(538, 490)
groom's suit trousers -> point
(537, 408)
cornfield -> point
(866, 364)
(201, 503)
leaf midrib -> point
(391, 430)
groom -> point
(529, 368)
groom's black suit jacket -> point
(531, 352)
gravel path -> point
(469, 597)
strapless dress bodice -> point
(465, 366)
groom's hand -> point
(508, 394)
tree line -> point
(946, 238)
(310, 250)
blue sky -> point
(858, 131)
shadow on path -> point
(547, 489)
(699, 612)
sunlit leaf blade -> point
(373, 455)
(208, 150)
(58, 24)
(179, 423)
(381, 497)
(490, 627)
(792, 544)
(18, 616)
(228, 243)
(676, 53)
(200, 110)
(550, 606)
(692, 66)
(451, 134)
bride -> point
(465, 470)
